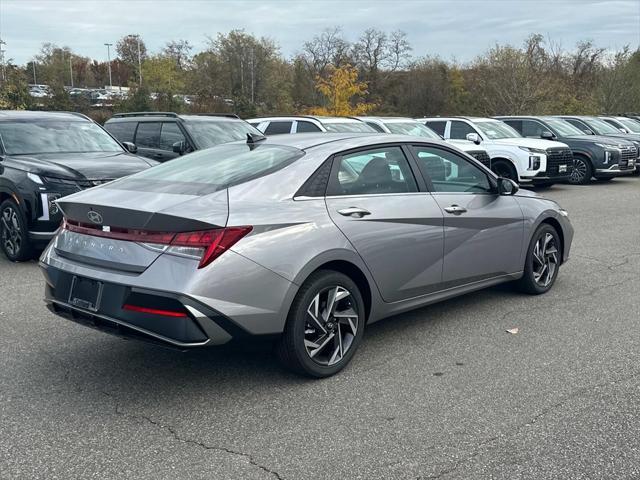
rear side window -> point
(216, 168)
(148, 135)
(276, 128)
(306, 127)
(169, 135)
(376, 171)
(437, 126)
(123, 131)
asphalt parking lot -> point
(441, 392)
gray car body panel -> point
(410, 251)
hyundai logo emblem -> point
(94, 216)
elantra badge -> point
(94, 216)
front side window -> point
(496, 130)
(630, 124)
(437, 126)
(306, 127)
(460, 130)
(451, 173)
(217, 168)
(412, 128)
(169, 135)
(578, 125)
(370, 172)
(148, 135)
(207, 133)
(55, 136)
(600, 126)
(563, 128)
(532, 129)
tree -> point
(341, 89)
(163, 78)
(14, 90)
(132, 52)
(180, 52)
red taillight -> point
(153, 311)
(212, 243)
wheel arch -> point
(507, 160)
(558, 228)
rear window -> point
(207, 171)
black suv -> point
(163, 136)
(594, 155)
(45, 156)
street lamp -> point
(108, 45)
(137, 37)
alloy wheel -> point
(11, 232)
(504, 171)
(545, 259)
(579, 171)
(331, 325)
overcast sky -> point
(458, 29)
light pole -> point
(108, 45)
(71, 69)
(139, 61)
(2, 42)
(34, 72)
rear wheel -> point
(582, 172)
(324, 327)
(14, 237)
(505, 169)
(542, 262)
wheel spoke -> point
(326, 340)
(313, 313)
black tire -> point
(528, 283)
(582, 171)
(14, 234)
(505, 169)
(291, 348)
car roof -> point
(470, 119)
(30, 115)
(317, 118)
(165, 116)
(388, 119)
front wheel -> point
(324, 327)
(542, 262)
(582, 172)
(505, 169)
(14, 237)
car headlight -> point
(533, 150)
(35, 178)
(563, 212)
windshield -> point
(55, 136)
(348, 127)
(631, 125)
(412, 128)
(496, 130)
(600, 126)
(217, 168)
(210, 133)
(563, 128)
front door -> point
(373, 197)
(483, 231)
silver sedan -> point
(307, 238)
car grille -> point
(627, 153)
(557, 157)
(482, 157)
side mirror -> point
(588, 131)
(473, 137)
(547, 135)
(506, 186)
(131, 147)
(624, 130)
(180, 147)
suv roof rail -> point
(146, 114)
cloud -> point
(460, 29)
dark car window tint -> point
(170, 134)
(123, 131)
(579, 125)
(450, 172)
(306, 127)
(459, 130)
(383, 170)
(148, 135)
(532, 129)
(515, 124)
(276, 128)
(437, 126)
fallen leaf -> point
(513, 331)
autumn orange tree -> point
(341, 87)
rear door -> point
(375, 200)
(483, 231)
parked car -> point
(512, 156)
(595, 156)
(43, 157)
(308, 237)
(309, 124)
(597, 126)
(624, 124)
(164, 136)
(409, 126)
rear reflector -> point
(153, 311)
(205, 244)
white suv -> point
(309, 124)
(409, 126)
(512, 156)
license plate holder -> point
(85, 293)
(562, 168)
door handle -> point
(455, 209)
(354, 212)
